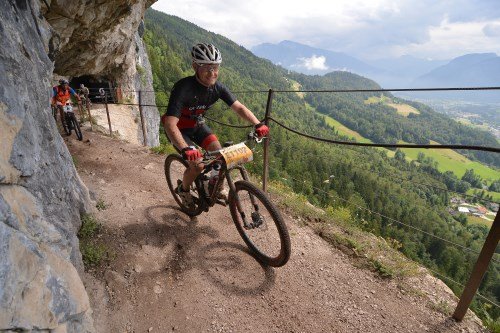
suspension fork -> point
(244, 175)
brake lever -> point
(254, 137)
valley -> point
(365, 186)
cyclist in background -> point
(83, 92)
(61, 94)
(190, 98)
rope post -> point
(266, 141)
(80, 112)
(480, 267)
(142, 119)
(87, 103)
(107, 113)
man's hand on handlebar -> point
(191, 153)
(261, 130)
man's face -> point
(207, 74)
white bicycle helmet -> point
(203, 54)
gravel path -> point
(169, 273)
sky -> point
(367, 29)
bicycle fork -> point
(256, 217)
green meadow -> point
(494, 195)
(478, 220)
(447, 159)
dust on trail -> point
(169, 273)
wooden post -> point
(107, 113)
(480, 267)
(79, 112)
(87, 102)
(142, 119)
(266, 141)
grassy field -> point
(344, 130)
(450, 160)
(477, 220)
(467, 122)
(297, 86)
(402, 109)
(447, 159)
(494, 195)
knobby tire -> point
(64, 122)
(275, 221)
(76, 127)
(170, 163)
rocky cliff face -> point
(103, 39)
(41, 195)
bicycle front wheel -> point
(260, 224)
(66, 123)
(76, 127)
(175, 166)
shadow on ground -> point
(193, 245)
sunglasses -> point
(209, 68)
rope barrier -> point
(463, 287)
(389, 90)
(413, 182)
(386, 145)
(397, 221)
(337, 90)
(387, 218)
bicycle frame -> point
(210, 199)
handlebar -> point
(252, 136)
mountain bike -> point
(86, 103)
(70, 122)
(257, 220)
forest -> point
(375, 188)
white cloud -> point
(467, 37)
(362, 28)
(314, 62)
(492, 29)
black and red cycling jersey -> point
(189, 98)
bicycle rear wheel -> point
(175, 166)
(260, 224)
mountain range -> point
(478, 70)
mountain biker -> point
(190, 98)
(83, 92)
(61, 94)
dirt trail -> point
(172, 274)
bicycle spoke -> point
(260, 224)
(174, 171)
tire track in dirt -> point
(172, 274)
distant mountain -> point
(480, 69)
(389, 73)
(471, 70)
(310, 60)
(408, 65)
(401, 71)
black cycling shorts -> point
(199, 135)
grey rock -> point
(41, 194)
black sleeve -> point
(226, 95)
(175, 102)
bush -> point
(92, 251)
